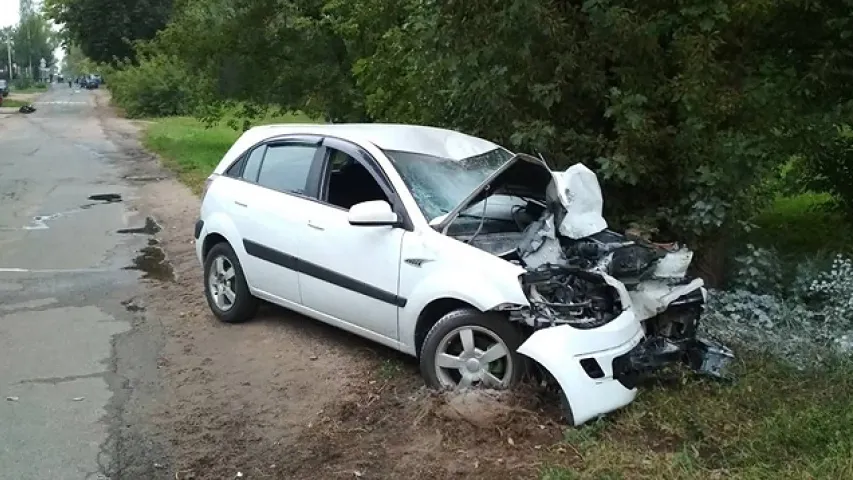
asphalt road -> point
(75, 358)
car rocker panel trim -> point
(297, 264)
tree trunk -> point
(711, 261)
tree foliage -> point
(106, 30)
(685, 108)
(157, 85)
(32, 39)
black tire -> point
(566, 409)
(496, 324)
(245, 305)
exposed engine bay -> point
(581, 274)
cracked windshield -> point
(337, 239)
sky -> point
(8, 12)
(9, 16)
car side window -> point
(285, 167)
(349, 182)
(253, 164)
(234, 170)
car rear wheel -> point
(467, 348)
(225, 286)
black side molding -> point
(321, 273)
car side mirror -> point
(375, 213)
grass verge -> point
(10, 103)
(32, 89)
(804, 225)
(774, 423)
(191, 149)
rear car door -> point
(269, 211)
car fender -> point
(220, 224)
(480, 289)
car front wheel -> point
(225, 286)
(467, 348)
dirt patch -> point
(288, 397)
(398, 429)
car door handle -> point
(315, 226)
(239, 204)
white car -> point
(452, 249)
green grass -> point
(805, 227)
(13, 103)
(191, 149)
(38, 88)
(391, 368)
(773, 423)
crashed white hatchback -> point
(454, 250)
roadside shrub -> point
(158, 86)
(758, 270)
(829, 165)
(803, 323)
(28, 83)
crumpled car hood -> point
(576, 189)
(575, 207)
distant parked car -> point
(4, 88)
(89, 83)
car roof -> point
(432, 141)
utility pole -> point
(26, 10)
(9, 53)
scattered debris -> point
(27, 109)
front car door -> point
(352, 272)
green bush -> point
(28, 84)
(828, 166)
(158, 86)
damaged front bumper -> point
(581, 362)
(597, 379)
(598, 369)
